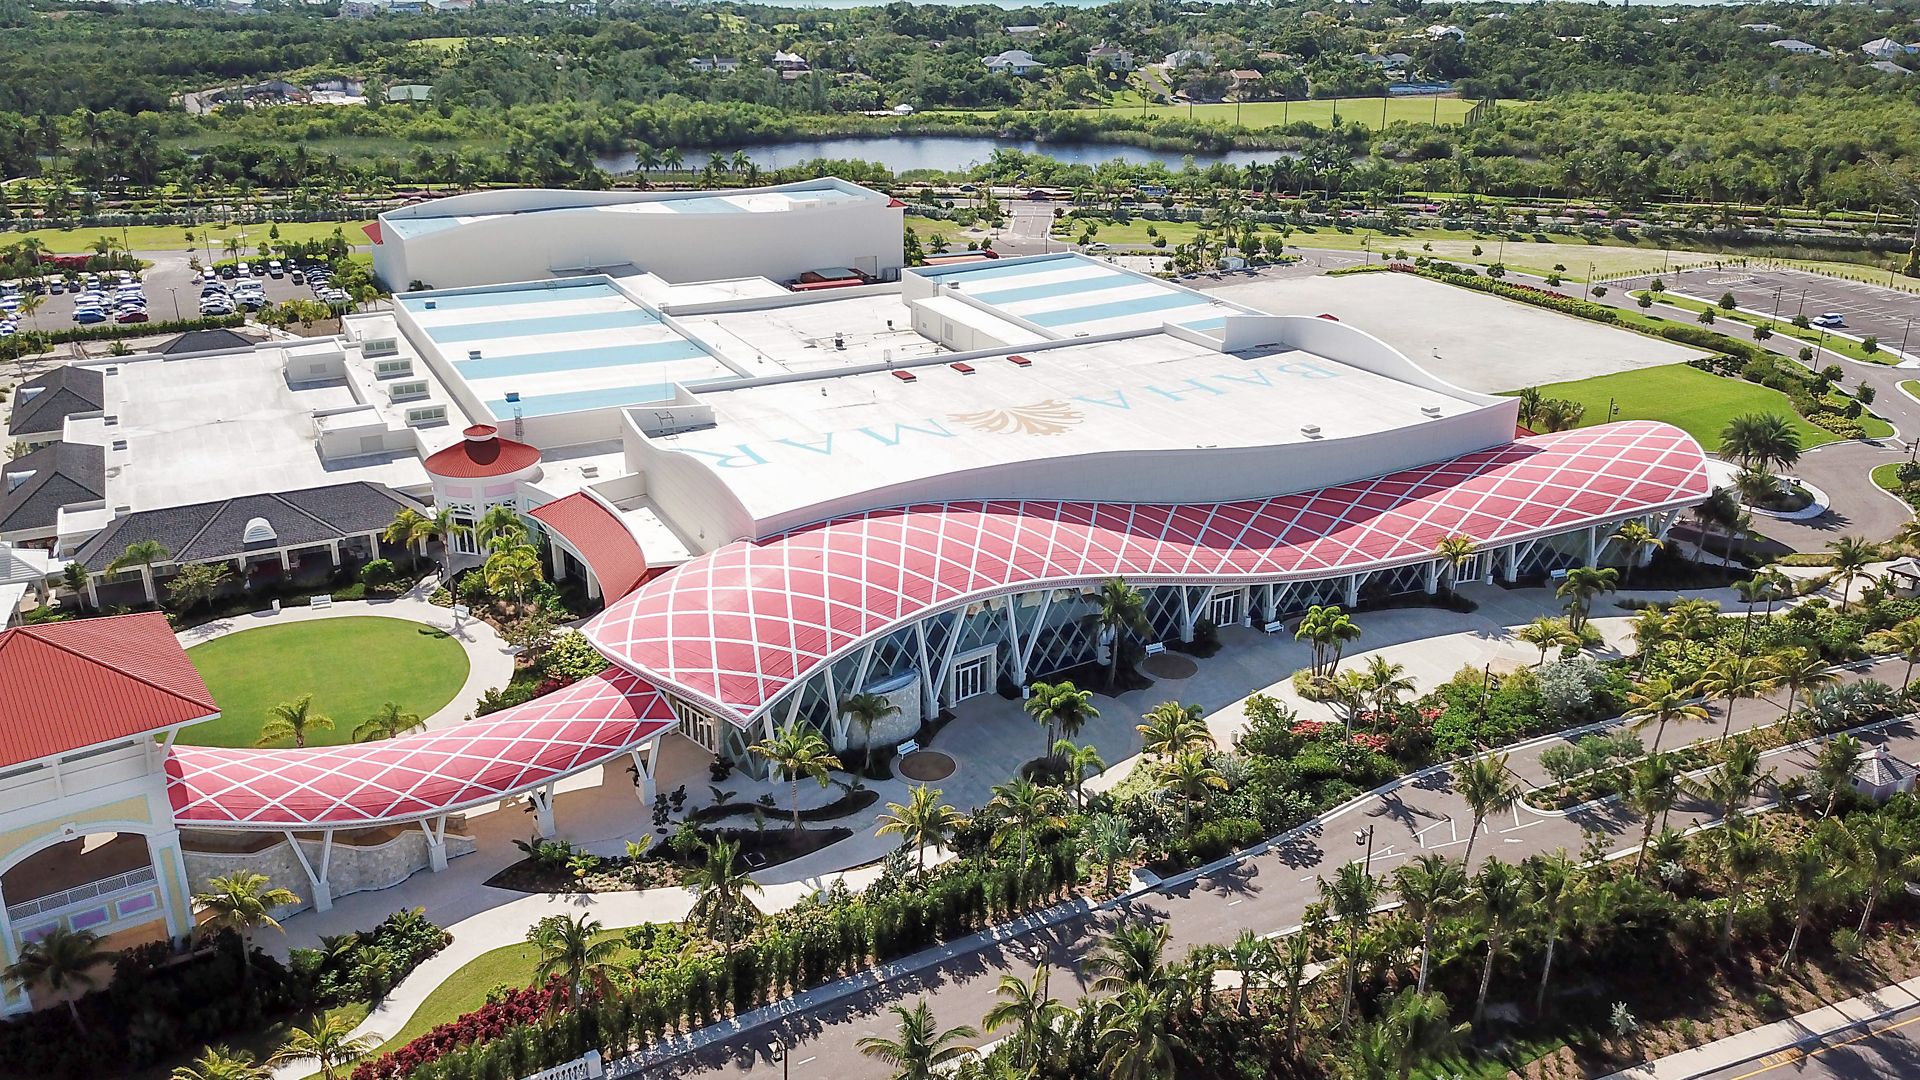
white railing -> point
(580, 1068)
(92, 889)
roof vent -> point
(119, 444)
(431, 305)
(1311, 431)
(906, 376)
(481, 433)
(1019, 361)
(964, 369)
(473, 354)
(110, 420)
(15, 479)
(589, 471)
(1430, 410)
(258, 531)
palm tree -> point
(1489, 788)
(1328, 630)
(798, 751)
(220, 1063)
(1417, 1026)
(1884, 859)
(1744, 853)
(1732, 678)
(498, 528)
(1293, 959)
(1552, 890)
(1653, 786)
(1811, 875)
(1388, 681)
(1137, 1039)
(143, 554)
(1499, 897)
(1025, 1004)
(292, 720)
(1759, 440)
(1798, 668)
(1637, 539)
(511, 570)
(1546, 633)
(65, 962)
(568, 948)
(1025, 808)
(1835, 767)
(1729, 785)
(1132, 956)
(1110, 840)
(1081, 761)
(1455, 551)
(1172, 727)
(390, 721)
(1579, 588)
(1119, 610)
(1249, 955)
(1658, 701)
(1190, 778)
(1352, 896)
(1903, 640)
(1063, 709)
(867, 710)
(1431, 887)
(242, 902)
(328, 1041)
(411, 528)
(720, 886)
(1851, 556)
(923, 821)
(921, 1048)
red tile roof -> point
(372, 229)
(601, 539)
(68, 685)
(482, 453)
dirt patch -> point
(1170, 666)
(926, 766)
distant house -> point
(1761, 27)
(409, 92)
(1446, 30)
(1888, 67)
(1243, 77)
(445, 6)
(1113, 56)
(1186, 58)
(1886, 49)
(1392, 60)
(786, 61)
(1798, 47)
(714, 63)
(1021, 31)
(1013, 62)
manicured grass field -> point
(79, 241)
(351, 665)
(1698, 402)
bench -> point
(321, 601)
(1274, 627)
(906, 748)
(1155, 648)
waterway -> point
(948, 153)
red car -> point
(130, 317)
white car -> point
(1831, 318)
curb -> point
(1804, 1042)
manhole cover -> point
(1170, 666)
(926, 766)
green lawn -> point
(1696, 401)
(77, 241)
(351, 665)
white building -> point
(1013, 62)
(1446, 30)
(1116, 57)
(1886, 49)
(1798, 47)
(523, 235)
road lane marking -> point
(1862, 1037)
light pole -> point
(174, 291)
(1587, 294)
(1903, 335)
(779, 1053)
(1802, 310)
(1364, 838)
(1775, 317)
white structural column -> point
(927, 702)
(316, 876)
(946, 660)
(1433, 576)
(645, 760)
(1593, 546)
(436, 830)
(13, 998)
(1015, 654)
(1034, 627)
(542, 800)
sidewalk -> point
(1750, 1046)
(489, 659)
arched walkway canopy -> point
(736, 628)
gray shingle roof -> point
(42, 404)
(199, 341)
(207, 531)
(57, 475)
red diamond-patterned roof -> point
(69, 685)
(422, 775)
(736, 627)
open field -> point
(1695, 401)
(1268, 114)
(79, 240)
(350, 665)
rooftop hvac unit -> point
(473, 354)
(431, 304)
(1430, 410)
(1311, 431)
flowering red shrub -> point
(1368, 741)
(522, 1006)
(1307, 729)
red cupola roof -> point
(482, 453)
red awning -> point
(602, 540)
(372, 229)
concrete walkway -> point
(1784, 1037)
(489, 659)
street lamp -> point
(1775, 317)
(1903, 336)
(779, 1054)
(1364, 837)
(174, 291)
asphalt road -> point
(1869, 309)
(1266, 894)
(1884, 1050)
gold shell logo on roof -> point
(1050, 417)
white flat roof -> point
(814, 335)
(786, 446)
(410, 223)
(1071, 295)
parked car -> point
(89, 316)
(131, 315)
(1831, 318)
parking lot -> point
(169, 281)
(1869, 310)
